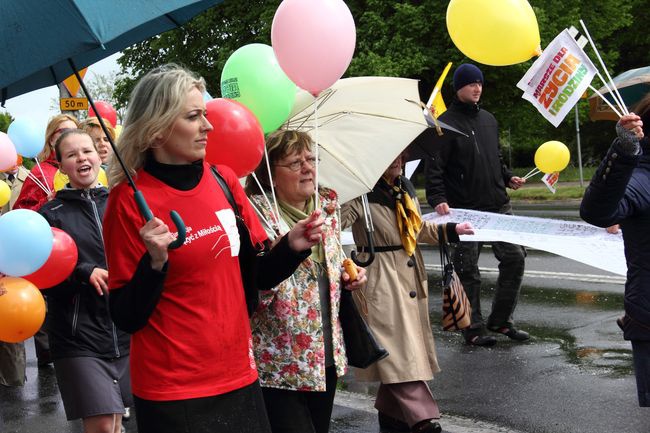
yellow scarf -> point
(409, 222)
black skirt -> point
(240, 411)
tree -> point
(5, 121)
(409, 39)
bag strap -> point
(226, 191)
(443, 246)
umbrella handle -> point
(176, 219)
(370, 252)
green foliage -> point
(409, 39)
(5, 120)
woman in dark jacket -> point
(619, 193)
(91, 356)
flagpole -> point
(615, 91)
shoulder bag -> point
(456, 310)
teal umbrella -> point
(633, 85)
(44, 42)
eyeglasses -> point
(297, 165)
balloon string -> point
(532, 173)
(263, 218)
(275, 200)
(275, 227)
(316, 151)
(38, 164)
(38, 182)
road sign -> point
(73, 104)
(72, 84)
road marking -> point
(587, 278)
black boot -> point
(388, 424)
(428, 426)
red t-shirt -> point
(197, 342)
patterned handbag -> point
(456, 310)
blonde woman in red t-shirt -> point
(192, 365)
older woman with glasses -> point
(296, 330)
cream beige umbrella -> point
(361, 125)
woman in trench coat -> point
(397, 302)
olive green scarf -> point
(292, 215)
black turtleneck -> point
(183, 177)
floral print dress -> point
(288, 324)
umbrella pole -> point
(137, 194)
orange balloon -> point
(22, 309)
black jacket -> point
(619, 193)
(78, 318)
(468, 172)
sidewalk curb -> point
(450, 423)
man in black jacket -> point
(469, 173)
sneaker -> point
(511, 332)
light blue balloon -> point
(206, 96)
(27, 136)
(25, 242)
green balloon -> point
(253, 77)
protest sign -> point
(558, 78)
(572, 239)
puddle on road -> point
(611, 362)
(614, 361)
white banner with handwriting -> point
(572, 239)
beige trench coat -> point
(397, 298)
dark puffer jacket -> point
(468, 172)
(619, 193)
(79, 319)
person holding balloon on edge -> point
(192, 362)
(91, 356)
(35, 191)
(469, 173)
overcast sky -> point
(36, 104)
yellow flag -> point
(435, 100)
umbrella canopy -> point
(44, 42)
(425, 144)
(361, 125)
(40, 37)
(632, 85)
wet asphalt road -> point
(574, 375)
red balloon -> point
(237, 139)
(59, 264)
(105, 110)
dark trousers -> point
(240, 411)
(301, 411)
(511, 271)
(641, 352)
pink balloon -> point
(313, 41)
(8, 156)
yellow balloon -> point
(61, 180)
(5, 193)
(494, 32)
(552, 156)
(118, 131)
